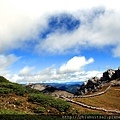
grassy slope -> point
(15, 99)
(109, 100)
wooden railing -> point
(90, 107)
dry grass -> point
(7, 102)
(109, 100)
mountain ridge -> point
(94, 84)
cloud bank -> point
(73, 70)
(23, 22)
(100, 31)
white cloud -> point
(58, 77)
(93, 73)
(18, 24)
(75, 64)
(116, 51)
(26, 70)
(73, 70)
(101, 32)
(5, 62)
(22, 20)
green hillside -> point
(18, 100)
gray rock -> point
(108, 75)
(85, 91)
(95, 83)
(39, 87)
(82, 93)
(89, 89)
(118, 72)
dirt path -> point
(90, 106)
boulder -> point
(89, 85)
(82, 93)
(108, 75)
(93, 81)
(118, 72)
(89, 89)
(95, 89)
(111, 74)
(85, 91)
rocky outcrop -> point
(118, 73)
(37, 86)
(95, 83)
(92, 84)
(42, 87)
(111, 74)
(108, 75)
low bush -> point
(5, 90)
(8, 87)
(2, 79)
(39, 110)
(46, 100)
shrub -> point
(2, 79)
(8, 87)
(4, 90)
(46, 100)
(30, 90)
(39, 110)
(61, 105)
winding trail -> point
(86, 96)
(90, 106)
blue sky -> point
(59, 41)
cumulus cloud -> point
(75, 64)
(73, 70)
(26, 70)
(18, 25)
(57, 77)
(116, 50)
(22, 22)
(99, 28)
(5, 62)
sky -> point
(58, 40)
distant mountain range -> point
(79, 88)
(68, 86)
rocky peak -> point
(95, 83)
